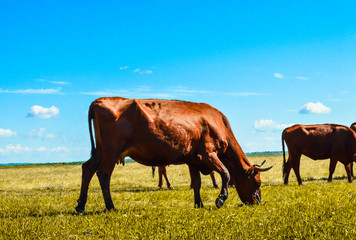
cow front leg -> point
(212, 176)
(160, 174)
(163, 172)
(196, 184)
(88, 170)
(215, 164)
(104, 176)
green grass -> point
(37, 202)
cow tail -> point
(284, 152)
(90, 118)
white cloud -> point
(10, 150)
(33, 91)
(317, 108)
(124, 93)
(56, 149)
(147, 92)
(42, 112)
(40, 133)
(184, 91)
(41, 154)
(7, 133)
(137, 70)
(59, 82)
(123, 68)
(278, 75)
(264, 125)
(141, 92)
(54, 82)
(14, 149)
(302, 78)
(243, 94)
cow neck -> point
(239, 156)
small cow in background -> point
(353, 127)
(318, 142)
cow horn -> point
(259, 169)
(262, 163)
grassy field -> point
(37, 202)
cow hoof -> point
(171, 188)
(219, 202)
(79, 210)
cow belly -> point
(154, 157)
(316, 155)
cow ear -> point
(250, 171)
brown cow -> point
(353, 126)
(318, 142)
(163, 132)
(162, 172)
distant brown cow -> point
(163, 132)
(353, 126)
(318, 142)
(162, 172)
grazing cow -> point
(162, 172)
(163, 132)
(318, 142)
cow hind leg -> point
(352, 169)
(332, 166)
(286, 169)
(196, 184)
(88, 170)
(104, 176)
(296, 167)
(348, 168)
(293, 162)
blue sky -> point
(264, 64)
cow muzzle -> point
(257, 197)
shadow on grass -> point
(312, 179)
(140, 190)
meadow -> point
(37, 202)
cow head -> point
(248, 186)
